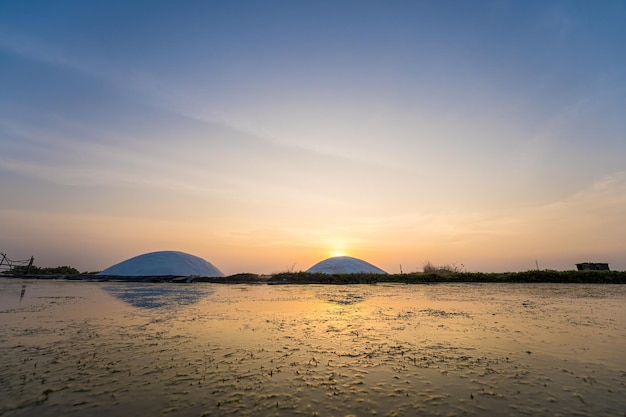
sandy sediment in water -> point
(112, 348)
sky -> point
(267, 136)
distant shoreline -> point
(535, 276)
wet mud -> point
(101, 349)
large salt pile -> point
(344, 265)
(164, 263)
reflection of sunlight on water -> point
(295, 350)
(341, 295)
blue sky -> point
(262, 135)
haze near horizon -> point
(266, 136)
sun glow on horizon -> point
(337, 246)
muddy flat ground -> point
(105, 348)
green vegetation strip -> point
(592, 277)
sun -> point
(336, 246)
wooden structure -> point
(7, 266)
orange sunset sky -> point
(266, 136)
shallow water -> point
(102, 349)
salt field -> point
(106, 348)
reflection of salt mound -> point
(344, 265)
(158, 295)
(164, 263)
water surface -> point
(101, 349)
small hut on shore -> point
(592, 266)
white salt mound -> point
(164, 263)
(344, 265)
